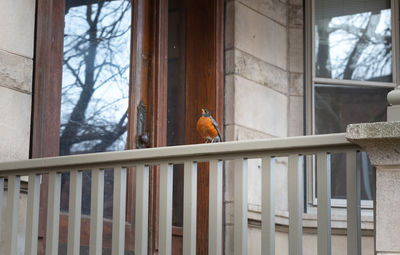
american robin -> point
(208, 127)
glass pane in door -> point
(95, 85)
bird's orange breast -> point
(206, 128)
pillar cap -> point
(381, 141)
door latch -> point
(142, 140)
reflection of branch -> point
(358, 49)
(107, 137)
(329, 114)
(72, 70)
(323, 64)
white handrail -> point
(240, 152)
(205, 152)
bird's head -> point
(205, 112)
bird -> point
(208, 127)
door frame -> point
(148, 83)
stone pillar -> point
(381, 141)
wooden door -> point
(195, 81)
(52, 61)
(198, 83)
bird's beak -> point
(202, 110)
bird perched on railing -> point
(208, 127)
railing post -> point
(215, 209)
(267, 207)
(119, 205)
(381, 141)
(165, 211)
(189, 207)
(142, 209)
(53, 213)
(12, 214)
(32, 215)
(96, 212)
(240, 216)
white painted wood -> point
(11, 223)
(119, 205)
(295, 183)
(32, 215)
(142, 209)
(240, 196)
(1, 202)
(324, 203)
(353, 186)
(215, 208)
(184, 152)
(165, 217)
(189, 207)
(74, 215)
(267, 207)
(96, 212)
(53, 213)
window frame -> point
(310, 80)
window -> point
(350, 70)
(105, 60)
(95, 86)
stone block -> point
(259, 108)
(296, 84)
(257, 70)
(238, 133)
(229, 25)
(17, 26)
(254, 181)
(229, 189)
(296, 118)
(21, 224)
(274, 9)
(387, 209)
(254, 241)
(381, 141)
(15, 114)
(229, 213)
(15, 72)
(296, 2)
(295, 15)
(260, 36)
(229, 102)
(230, 61)
(296, 50)
(228, 239)
(281, 184)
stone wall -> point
(17, 27)
(17, 19)
(263, 89)
(264, 99)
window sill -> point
(338, 218)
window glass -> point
(335, 108)
(353, 40)
(95, 86)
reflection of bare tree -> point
(91, 62)
(323, 63)
(371, 52)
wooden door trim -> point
(157, 91)
(46, 93)
(45, 121)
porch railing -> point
(293, 148)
